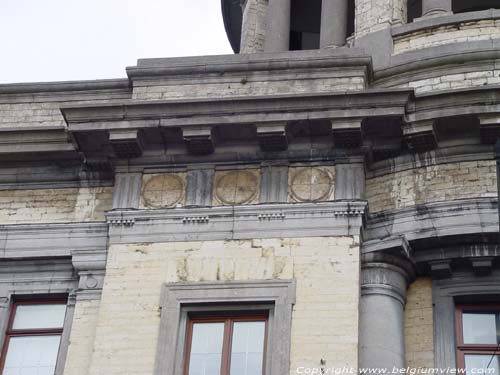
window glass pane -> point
(479, 328)
(32, 355)
(247, 352)
(206, 349)
(39, 316)
(476, 364)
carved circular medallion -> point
(163, 191)
(236, 187)
(91, 282)
(311, 185)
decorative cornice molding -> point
(446, 103)
(244, 63)
(239, 222)
(51, 240)
(196, 219)
(436, 236)
(64, 87)
(456, 218)
(196, 112)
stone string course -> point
(462, 32)
(455, 81)
(432, 184)
(324, 321)
(54, 205)
(419, 328)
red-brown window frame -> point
(462, 348)
(228, 319)
(28, 332)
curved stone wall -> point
(419, 326)
(456, 81)
(432, 184)
(467, 31)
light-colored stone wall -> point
(456, 81)
(43, 109)
(456, 33)
(325, 317)
(252, 84)
(419, 327)
(54, 205)
(253, 30)
(375, 15)
(82, 338)
(432, 184)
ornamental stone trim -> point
(277, 296)
(311, 184)
(163, 190)
(236, 187)
(239, 222)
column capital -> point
(386, 274)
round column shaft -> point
(278, 26)
(435, 7)
(333, 23)
(383, 296)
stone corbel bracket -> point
(392, 245)
(489, 126)
(199, 140)
(272, 136)
(347, 133)
(126, 144)
(90, 265)
(420, 135)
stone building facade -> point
(334, 179)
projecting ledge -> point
(337, 218)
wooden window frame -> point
(464, 349)
(228, 319)
(29, 332)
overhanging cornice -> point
(472, 101)
(271, 61)
(136, 114)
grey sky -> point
(59, 40)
